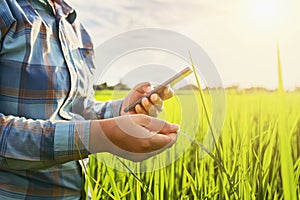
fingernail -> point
(166, 91)
(154, 97)
(175, 127)
(145, 101)
(148, 89)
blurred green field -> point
(259, 153)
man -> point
(45, 71)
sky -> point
(240, 36)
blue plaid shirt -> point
(46, 73)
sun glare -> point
(264, 12)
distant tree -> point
(256, 89)
(104, 86)
(121, 86)
(189, 87)
(234, 87)
(297, 89)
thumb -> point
(157, 125)
(144, 87)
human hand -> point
(149, 106)
(134, 137)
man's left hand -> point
(149, 106)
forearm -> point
(27, 143)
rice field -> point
(256, 157)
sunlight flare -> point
(265, 13)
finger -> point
(131, 112)
(143, 88)
(149, 107)
(161, 142)
(157, 101)
(173, 137)
(137, 92)
(157, 125)
(140, 110)
(169, 128)
(167, 93)
(156, 144)
(146, 104)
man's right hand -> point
(134, 137)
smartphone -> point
(171, 81)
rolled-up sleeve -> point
(108, 109)
(31, 144)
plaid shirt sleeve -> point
(35, 144)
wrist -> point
(99, 141)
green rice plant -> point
(257, 157)
(217, 158)
(254, 151)
(287, 168)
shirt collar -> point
(62, 9)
